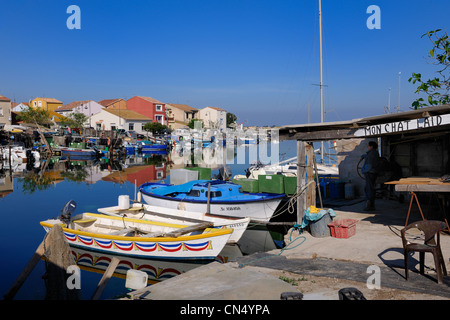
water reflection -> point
(39, 175)
(255, 239)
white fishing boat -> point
(188, 218)
(226, 199)
(288, 168)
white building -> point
(213, 118)
(23, 106)
(87, 107)
(114, 119)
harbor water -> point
(31, 195)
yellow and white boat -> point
(141, 238)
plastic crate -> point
(248, 185)
(203, 173)
(343, 228)
(290, 185)
(271, 183)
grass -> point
(293, 281)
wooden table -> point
(420, 184)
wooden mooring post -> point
(105, 278)
(301, 174)
(58, 257)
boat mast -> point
(321, 77)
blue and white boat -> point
(77, 153)
(226, 199)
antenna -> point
(398, 106)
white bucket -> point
(124, 202)
(136, 279)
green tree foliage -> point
(231, 118)
(37, 116)
(436, 89)
(75, 120)
(192, 125)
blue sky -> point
(256, 58)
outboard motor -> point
(67, 211)
(225, 173)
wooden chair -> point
(431, 230)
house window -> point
(113, 127)
(98, 126)
(131, 126)
(40, 104)
(159, 118)
(34, 104)
(1, 112)
(159, 107)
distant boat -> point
(226, 199)
(146, 239)
(287, 168)
(163, 214)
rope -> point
(286, 247)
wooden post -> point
(25, 272)
(311, 189)
(301, 173)
(208, 205)
(104, 280)
(59, 258)
(317, 181)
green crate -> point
(248, 185)
(271, 183)
(290, 185)
(203, 173)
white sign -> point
(401, 126)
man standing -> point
(369, 170)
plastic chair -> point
(431, 230)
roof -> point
(108, 102)
(150, 99)
(215, 108)
(128, 114)
(48, 100)
(72, 105)
(346, 129)
(3, 98)
(184, 107)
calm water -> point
(29, 197)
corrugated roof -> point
(308, 128)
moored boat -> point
(225, 198)
(146, 239)
(79, 153)
(162, 214)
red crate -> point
(343, 228)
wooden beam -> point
(105, 279)
(25, 272)
(311, 189)
(319, 135)
(301, 174)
